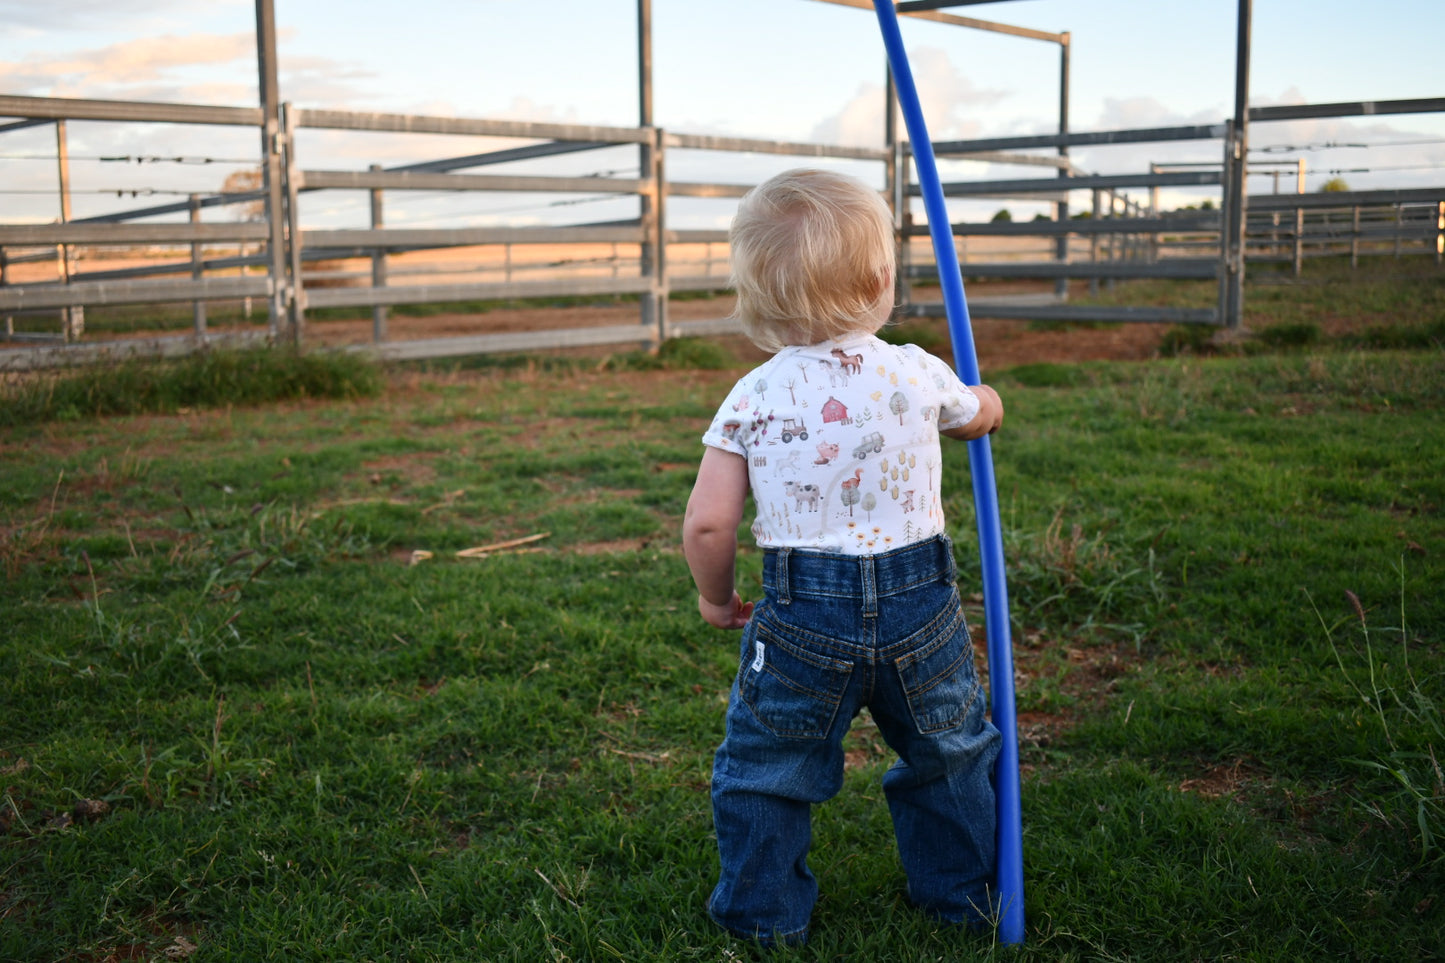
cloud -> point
(1143, 112)
(63, 15)
(116, 70)
(948, 98)
(207, 68)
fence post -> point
(378, 266)
(1094, 240)
(653, 253)
(1061, 209)
(1355, 240)
(1116, 241)
(1237, 153)
(652, 256)
(198, 307)
(1440, 233)
(271, 183)
(905, 222)
(1153, 235)
(893, 163)
(4, 280)
(1224, 223)
(1299, 221)
(72, 318)
(291, 179)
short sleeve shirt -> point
(842, 443)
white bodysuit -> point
(841, 440)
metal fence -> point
(292, 270)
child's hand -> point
(733, 615)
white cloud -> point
(949, 101)
(118, 70)
(1142, 112)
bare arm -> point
(988, 420)
(710, 536)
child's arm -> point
(988, 420)
(710, 536)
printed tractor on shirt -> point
(872, 444)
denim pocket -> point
(939, 679)
(791, 691)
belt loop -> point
(780, 576)
(869, 577)
(950, 563)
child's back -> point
(836, 438)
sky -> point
(796, 70)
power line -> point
(1372, 170)
(1336, 145)
(117, 191)
(137, 158)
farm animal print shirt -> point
(842, 444)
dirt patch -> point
(1005, 344)
(1069, 681)
(1224, 779)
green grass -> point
(237, 719)
(209, 379)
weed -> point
(1073, 582)
(1296, 335)
(1196, 340)
(1409, 725)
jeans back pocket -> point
(792, 691)
(939, 678)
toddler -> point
(836, 438)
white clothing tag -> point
(758, 659)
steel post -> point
(1236, 206)
(378, 267)
(271, 181)
(291, 179)
(1061, 209)
(72, 319)
(652, 257)
(198, 307)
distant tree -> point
(241, 182)
(1002, 216)
(1082, 216)
(1042, 217)
(1335, 185)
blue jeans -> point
(834, 634)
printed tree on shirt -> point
(898, 404)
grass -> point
(1382, 304)
(209, 379)
(241, 726)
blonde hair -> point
(812, 259)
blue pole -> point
(1009, 877)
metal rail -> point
(1137, 241)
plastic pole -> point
(1009, 877)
